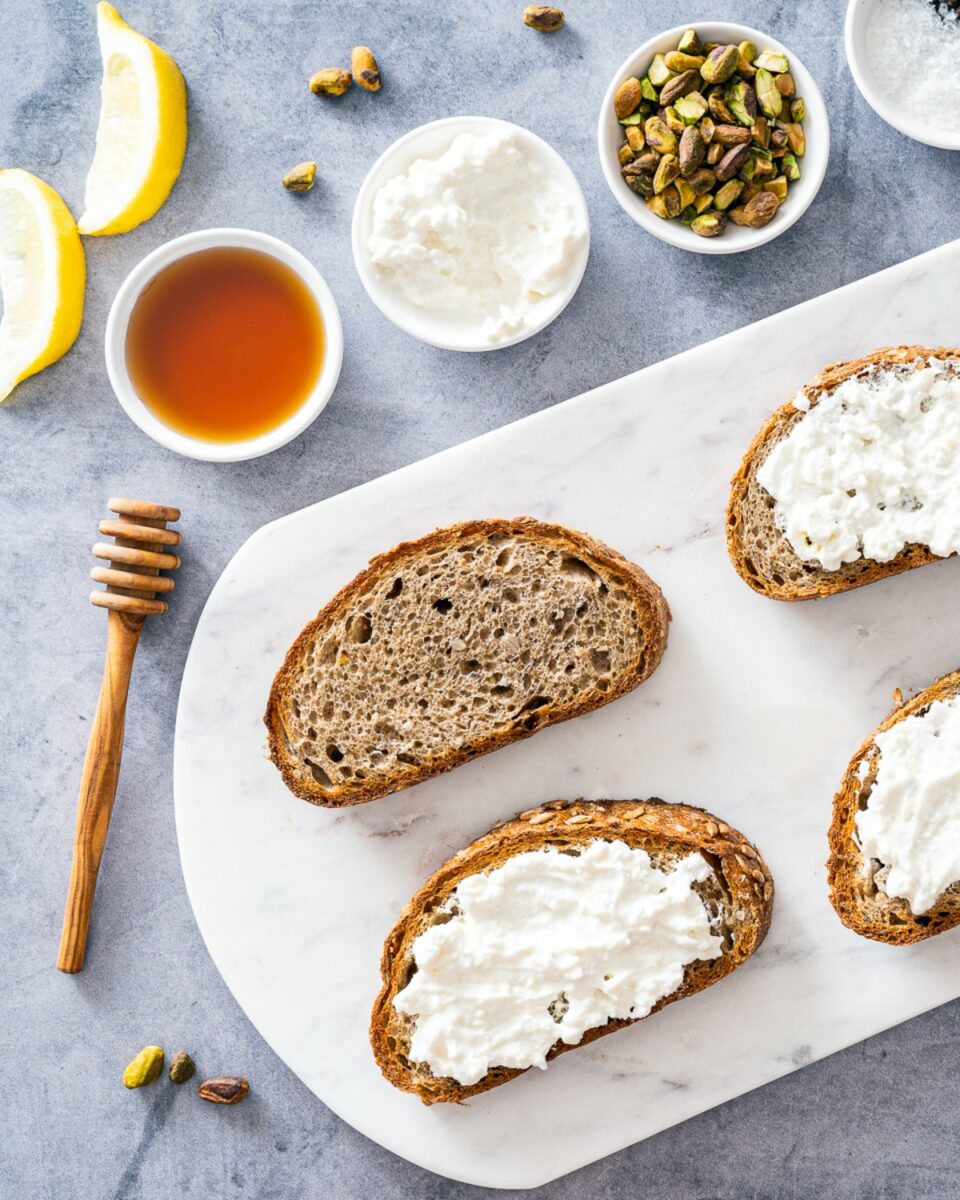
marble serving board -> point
(753, 713)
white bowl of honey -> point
(224, 344)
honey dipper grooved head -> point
(142, 549)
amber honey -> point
(225, 344)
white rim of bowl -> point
(394, 309)
(683, 238)
(158, 260)
(856, 13)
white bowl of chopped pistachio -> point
(714, 137)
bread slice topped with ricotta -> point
(894, 865)
(569, 922)
(855, 479)
(454, 645)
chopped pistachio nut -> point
(546, 20)
(648, 91)
(778, 187)
(798, 110)
(690, 43)
(710, 224)
(659, 73)
(677, 61)
(791, 168)
(771, 60)
(300, 178)
(785, 84)
(330, 82)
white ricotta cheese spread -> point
(912, 819)
(485, 232)
(873, 467)
(547, 946)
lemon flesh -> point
(42, 276)
(142, 136)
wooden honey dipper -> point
(141, 550)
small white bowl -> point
(116, 337)
(854, 36)
(453, 333)
(734, 238)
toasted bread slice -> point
(856, 883)
(455, 645)
(738, 898)
(760, 552)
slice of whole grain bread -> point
(760, 553)
(856, 883)
(455, 645)
(739, 900)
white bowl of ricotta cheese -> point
(470, 233)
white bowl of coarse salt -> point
(470, 233)
(905, 58)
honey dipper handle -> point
(98, 786)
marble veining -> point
(753, 713)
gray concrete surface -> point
(876, 1121)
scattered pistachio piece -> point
(144, 1068)
(365, 69)
(301, 178)
(228, 1089)
(332, 81)
(182, 1068)
(543, 18)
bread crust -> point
(669, 830)
(746, 494)
(646, 593)
(859, 903)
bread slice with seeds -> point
(454, 645)
(760, 552)
(738, 897)
(856, 882)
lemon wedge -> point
(42, 277)
(142, 136)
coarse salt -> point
(912, 49)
